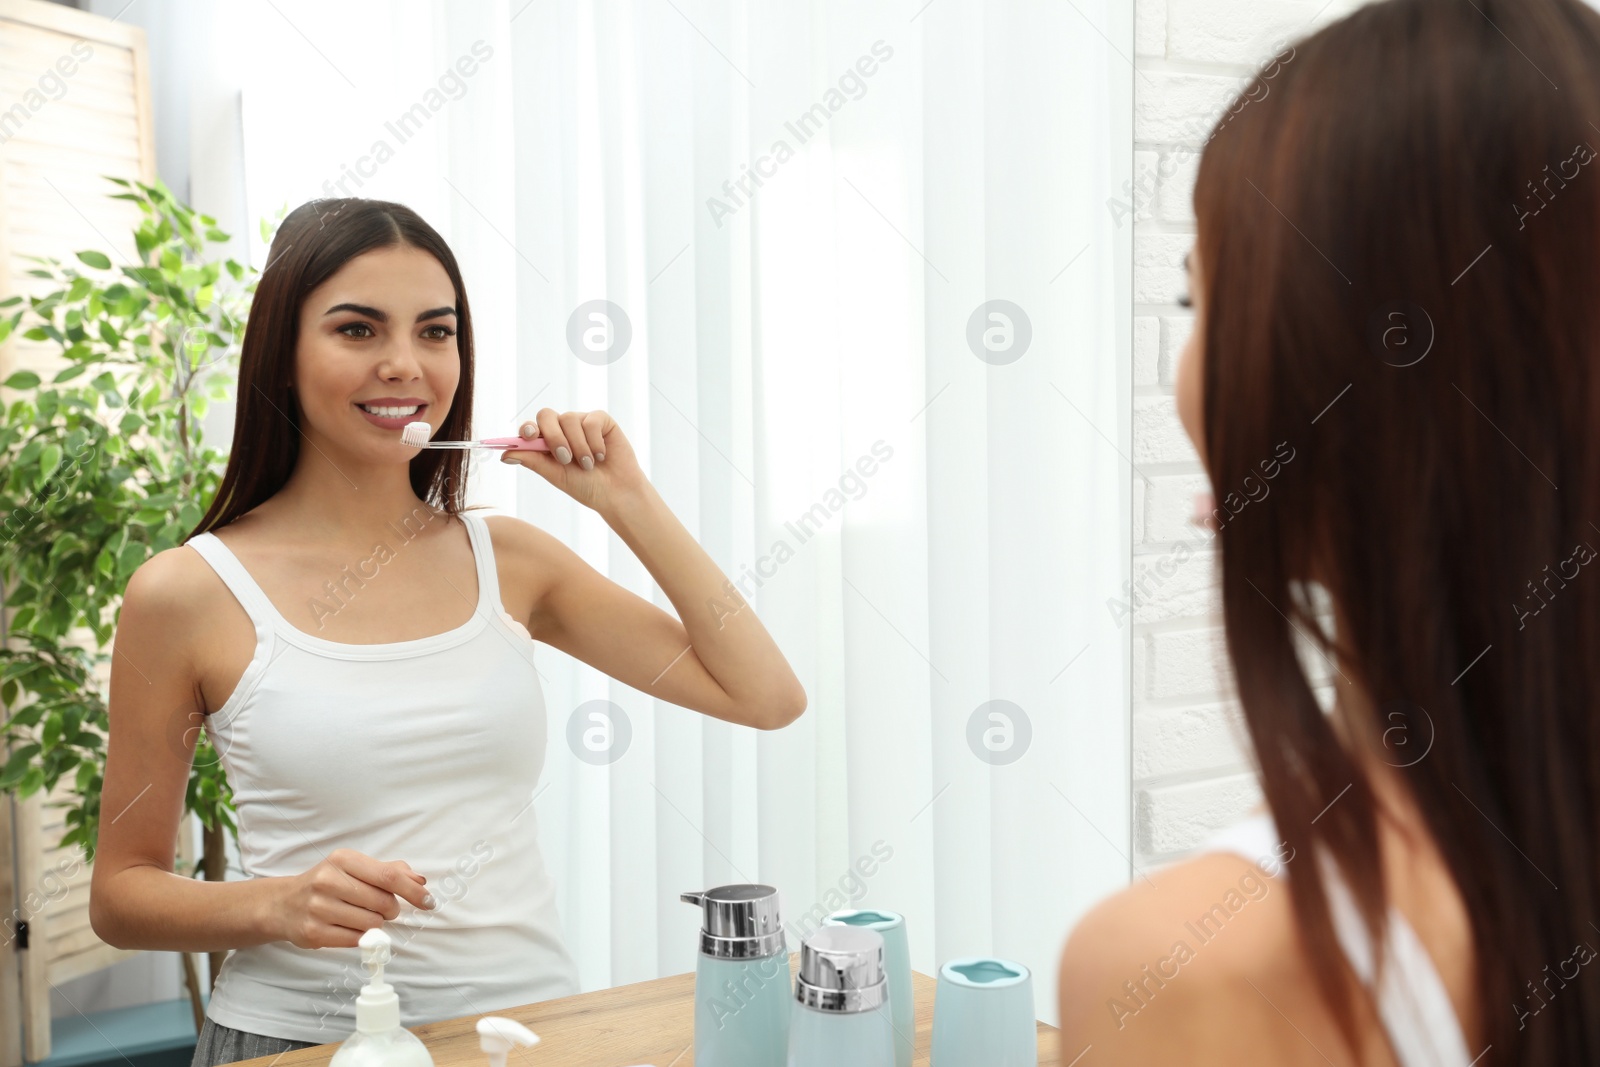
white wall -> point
(1190, 769)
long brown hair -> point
(314, 241)
(1400, 239)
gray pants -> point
(223, 1044)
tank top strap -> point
(236, 578)
(1411, 997)
(1255, 837)
(483, 556)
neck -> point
(335, 497)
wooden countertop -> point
(644, 1023)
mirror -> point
(856, 280)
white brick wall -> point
(1191, 773)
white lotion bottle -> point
(379, 1040)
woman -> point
(1395, 275)
(359, 647)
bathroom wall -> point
(1190, 774)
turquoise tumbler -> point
(841, 1001)
(897, 962)
(983, 1015)
(742, 1001)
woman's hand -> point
(344, 896)
(589, 459)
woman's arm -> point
(136, 900)
(718, 659)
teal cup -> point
(897, 962)
(983, 1015)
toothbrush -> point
(416, 435)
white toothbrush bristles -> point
(416, 434)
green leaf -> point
(50, 459)
(23, 379)
(70, 373)
(17, 764)
(132, 555)
(109, 334)
(98, 260)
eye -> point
(448, 332)
(354, 326)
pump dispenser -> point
(379, 1040)
(497, 1035)
(741, 985)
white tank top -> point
(1411, 997)
(427, 751)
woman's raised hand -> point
(589, 459)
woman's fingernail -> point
(599, 456)
(587, 463)
(1204, 505)
(429, 902)
(505, 457)
(529, 429)
(564, 454)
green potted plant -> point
(101, 467)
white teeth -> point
(391, 413)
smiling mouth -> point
(393, 412)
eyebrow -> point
(383, 316)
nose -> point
(399, 364)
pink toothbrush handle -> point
(516, 444)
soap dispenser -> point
(842, 1001)
(379, 1040)
(742, 991)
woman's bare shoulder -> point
(164, 602)
(529, 561)
(1197, 961)
(518, 543)
(172, 584)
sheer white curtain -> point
(927, 503)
